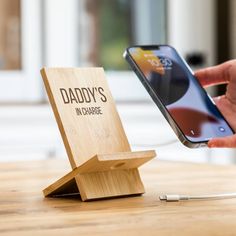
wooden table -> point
(24, 210)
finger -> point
(216, 74)
(231, 88)
(228, 142)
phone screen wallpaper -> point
(178, 90)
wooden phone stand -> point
(96, 144)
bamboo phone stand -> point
(99, 152)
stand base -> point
(103, 176)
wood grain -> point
(24, 210)
(97, 146)
(85, 136)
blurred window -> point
(111, 22)
(73, 33)
(107, 27)
(10, 35)
(20, 51)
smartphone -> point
(187, 107)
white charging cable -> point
(176, 197)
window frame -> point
(24, 85)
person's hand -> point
(222, 74)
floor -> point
(30, 132)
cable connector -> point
(177, 198)
(173, 197)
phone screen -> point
(175, 86)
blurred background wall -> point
(77, 33)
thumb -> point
(227, 142)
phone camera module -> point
(221, 129)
